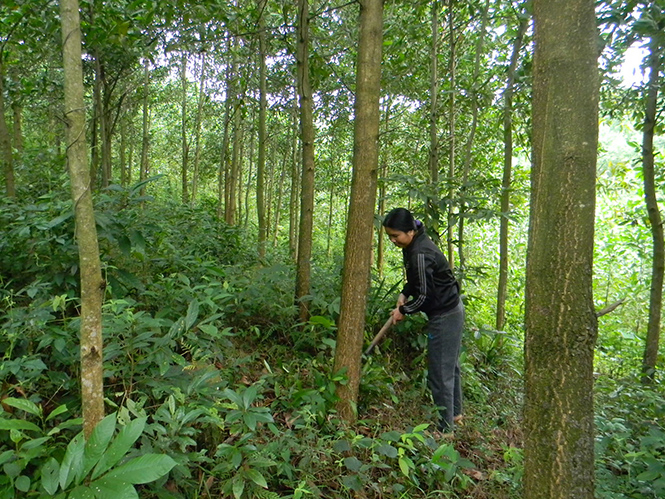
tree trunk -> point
(560, 319)
(303, 264)
(123, 157)
(295, 185)
(433, 95)
(92, 285)
(360, 225)
(199, 119)
(183, 131)
(452, 68)
(222, 196)
(507, 176)
(5, 140)
(655, 219)
(263, 105)
(472, 134)
(145, 142)
(18, 128)
(380, 244)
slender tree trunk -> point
(130, 159)
(331, 212)
(145, 141)
(560, 320)
(106, 133)
(263, 105)
(360, 226)
(295, 185)
(123, 157)
(183, 131)
(452, 68)
(434, 93)
(472, 135)
(197, 140)
(222, 196)
(5, 139)
(655, 219)
(18, 127)
(232, 182)
(303, 266)
(507, 177)
(92, 285)
(380, 244)
(280, 195)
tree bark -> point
(560, 320)
(295, 184)
(92, 285)
(359, 233)
(655, 220)
(5, 139)
(183, 131)
(433, 95)
(472, 134)
(263, 105)
(197, 140)
(452, 68)
(145, 141)
(303, 263)
(507, 177)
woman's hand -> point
(401, 300)
(396, 315)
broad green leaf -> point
(6, 456)
(23, 404)
(192, 314)
(353, 463)
(249, 396)
(119, 446)
(238, 486)
(143, 469)
(97, 443)
(105, 488)
(420, 428)
(73, 460)
(50, 473)
(404, 463)
(22, 483)
(33, 444)
(387, 450)
(18, 424)
(81, 492)
(257, 478)
(57, 411)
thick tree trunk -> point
(263, 105)
(92, 285)
(507, 177)
(5, 140)
(560, 319)
(655, 219)
(303, 265)
(360, 226)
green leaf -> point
(81, 492)
(420, 428)
(353, 463)
(192, 314)
(22, 483)
(387, 450)
(23, 404)
(73, 460)
(120, 445)
(143, 469)
(256, 477)
(50, 472)
(238, 486)
(97, 443)
(405, 464)
(57, 411)
(35, 443)
(6, 456)
(113, 488)
(18, 424)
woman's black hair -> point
(400, 219)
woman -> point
(431, 288)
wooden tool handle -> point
(379, 336)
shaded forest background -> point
(210, 358)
